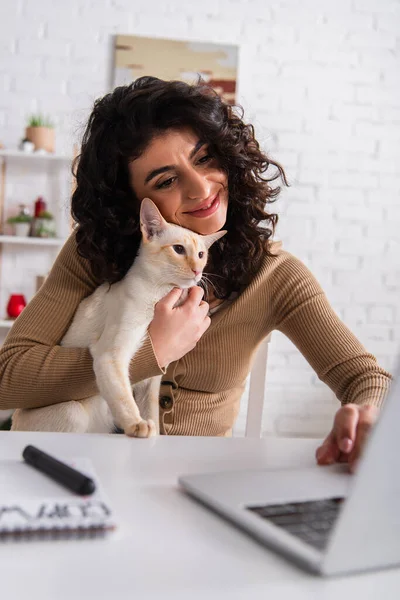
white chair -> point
(258, 375)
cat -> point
(112, 322)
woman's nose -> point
(198, 186)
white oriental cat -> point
(112, 322)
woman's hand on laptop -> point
(349, 433)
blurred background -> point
(320, 81)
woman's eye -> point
(204, 159)
(166, 183)
(179, 249)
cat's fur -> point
(112, 322)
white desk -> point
(168, 546)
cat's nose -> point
(196, 272)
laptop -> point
(323, 518)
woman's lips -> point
(205, 212)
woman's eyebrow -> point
(154, 172)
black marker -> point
(60, 472)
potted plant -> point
(40, 131)
(21, 224)
(44, 225)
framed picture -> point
(136, 56)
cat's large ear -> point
(213, 237)
(152, 223)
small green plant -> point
(45, 214)
(21, 218)
(40, 121)
(44, 225)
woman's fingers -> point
(345, 427)
(171, 298)
(328, 452)
(195, 294)
(367, 418)
(340, 440)
(347, 439)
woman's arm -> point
(305, 316)
(34, 369)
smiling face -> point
(183, 180)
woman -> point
(199, 162)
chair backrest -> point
(255, 405)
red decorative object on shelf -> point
(16, 305)
(40, 206)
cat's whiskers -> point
(213, 275)
(208, 284)
(208, 280)
(160, 283)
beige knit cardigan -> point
(200, 393)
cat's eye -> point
(201, 254)
(179, 249)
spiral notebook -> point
(33, 506)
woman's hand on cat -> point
(174, 331)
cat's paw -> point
(143, 429)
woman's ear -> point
(152, 223)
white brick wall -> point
(319, 79)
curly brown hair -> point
(119, 129)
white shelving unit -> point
(30, 156)
(31, 241)
(23, 177)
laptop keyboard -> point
(311, 521)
